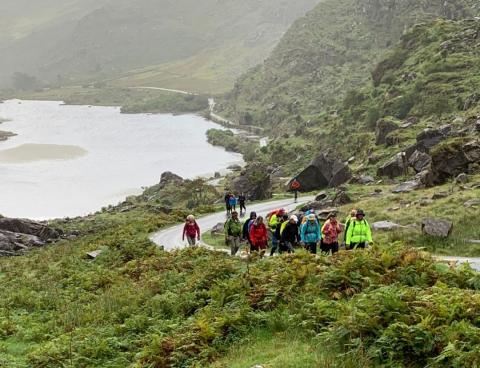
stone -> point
(407, 186)
(217, 175)
(324, 171)
(431, 137)
(385, 226)
(258, 189)
(472, 203)
(437, 227)
(425, 178)
(440, 195)
(383, 129)
(425, 202)
(378, 191)
(217, 229)
(461, 179)
(396, 166)
(317, 205)
(321, 196)
(451, 160)
(234, 168)
(477, 126)
(365, 179)
(341, 198)
(420, 161)
(23, 226)
(94, 254)
(169, 178)
(12, 243)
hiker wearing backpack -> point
(191, 231)
(290, 235)
(241, 201)
(310, 233)
(348, 221)
(259, 236)
(274, 219)
(246, 227)
(232, 201)
(359, 234)
(330, 231)
(233, 232)
(227, 203)
(278, 233)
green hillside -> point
(113, 37)
(325, 54)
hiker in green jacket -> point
(233, 232)
(359, 234)
(348, 221)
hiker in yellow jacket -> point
(359, 234)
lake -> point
(73, 160)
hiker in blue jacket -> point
(311, 234)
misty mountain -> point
(75, 41)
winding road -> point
(171, 238)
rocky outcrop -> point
(5, 135)
(254, 182)
(19, 235)
(383, 129)
(454, 158)
(420, 161)
(436, 227)
(169, 178)
(324, 171)
(29, 227)
(396, 166)
(430, 137)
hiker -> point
(273, 222)
(330, 230)
(278, 233)
(232, 201)
(348, 221)
(259, 236)
(241, 201)
(295, 187)
(246, 228)
(191, 230)
(290, 235)
(227, 203)
(359, 233)
(310, 233)
(233, 232)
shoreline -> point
(30, 154)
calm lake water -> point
(72, 160)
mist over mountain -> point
(65, 42)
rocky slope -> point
(327, 53)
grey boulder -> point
(436, 227)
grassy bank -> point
(131, 100)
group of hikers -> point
(285, 233)
(231, 202)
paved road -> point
(474, 262)
(166, 90)
(171, 238)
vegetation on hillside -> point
(325, 54)
(68, 44)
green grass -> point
(131, 100)
(285, 350)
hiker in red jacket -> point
(330, 231)
(191, 230)
(295, 187)
(258, 236)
